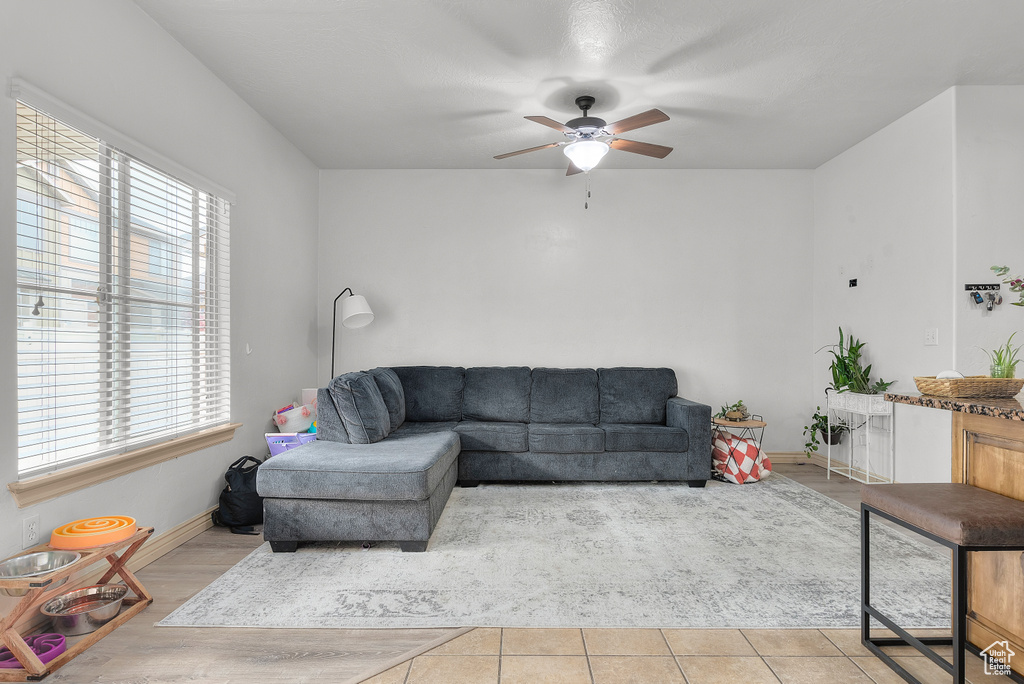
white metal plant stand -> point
(863, 414)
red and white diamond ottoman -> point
(738, 459)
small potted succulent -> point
(830, 434)
(735, 412)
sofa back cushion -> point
(394, 397)
(497, 394)
(361, 407)
(329, 427)
(564, 395)
(636, 395)
(432, 393)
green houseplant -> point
(831, 434)
(848, 372)
(1004, 359)
(735, 411)
(1016, 283)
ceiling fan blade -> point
(531, 149)
(573, 170)
(550, 123)
(651, 116)
(647, 149)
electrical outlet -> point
(29, 531)
(931, 337)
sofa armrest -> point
(695, 418)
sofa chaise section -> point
(371, 474)
(393, 490)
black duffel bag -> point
(240, 506)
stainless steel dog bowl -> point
(35, 564)
(84, 610)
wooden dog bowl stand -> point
(33, 669)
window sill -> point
(45, 487)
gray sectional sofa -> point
(392, 442)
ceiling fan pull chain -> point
(586, 202)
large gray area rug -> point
(773, 554)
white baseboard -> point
(796, 457)
(157, 546)
(819, 460)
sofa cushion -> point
(361, 407)
(564, 395)
(566, 438)
(328, 423)
(393, 470)
(411, 428)
(493, 436)
(635, 437)
(391, 390)
(432, 393)
(493, 393)
(635, 395)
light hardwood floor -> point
(140, 653)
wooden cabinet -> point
(988, 452)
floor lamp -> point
(355, 313)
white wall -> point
(111, 61)
(883, 214)
(702, 271)
(989, 216)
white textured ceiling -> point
(361, 84)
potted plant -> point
(1016, 283)
(1004, 359)
(830, 434)
(735, 412)
(848, 373)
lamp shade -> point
(585, 154)
(355, 312)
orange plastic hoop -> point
(92, 532)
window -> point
(122, 299)
(159, 259)
(28, 228)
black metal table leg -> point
(865, 574)
(959, 613)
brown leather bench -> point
(965, 519)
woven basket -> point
(971, 386)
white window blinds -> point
(122, 299)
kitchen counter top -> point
(1010, 409)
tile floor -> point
(652, 656)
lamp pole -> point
(334, 325)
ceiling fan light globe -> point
(355, 312)
(586, 154)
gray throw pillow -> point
(394, 397)
(361, 407)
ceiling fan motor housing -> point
(586, 126)
(585, 122)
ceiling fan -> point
(589, 138)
